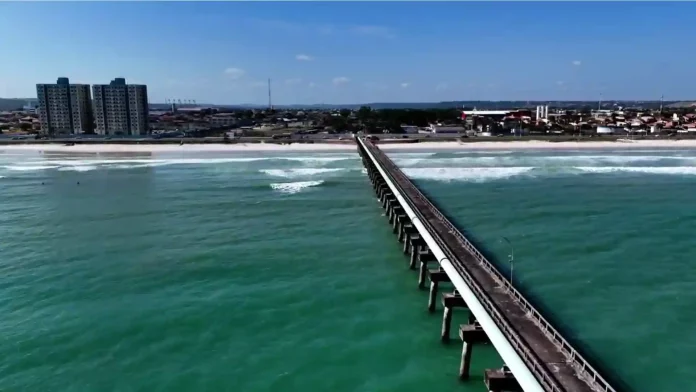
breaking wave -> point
(472, 174)
(318, 159)
(295, 187)
(84, 168)
(484, 174)
(673, 170)
(540, 161)
(30, 167)
(302, 172)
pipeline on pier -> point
(535, 352)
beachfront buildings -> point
(120, 108)
(64, 108)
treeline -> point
(375, 121)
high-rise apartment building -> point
(64, 108)
(120, 108)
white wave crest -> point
(294, 187)
(30, 168)
(294, 173)
(152, 162)
(136, 166)
(470, 174)
(486, 152)
(674, 170)
(408, 162)
(410, 154)
(317, 159)
(617, 159)
(84, 168)
(539, 161)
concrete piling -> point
(470, 334)
(498, 380)
(432, 295)
(449, 302)
(413, 259)
(424, 257)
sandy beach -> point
(251, 147)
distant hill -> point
(679, 105)
(483, 105)
(18, 103)
(12, 103)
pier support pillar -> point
(470, 334)
(432, 296)
(498, 380)
(436, 276)
(415, 248)
(446, 324)
(402, 229)
(383, 191)
(424, 257)
(375, 178)
(465, 364)
(449, 302)
(411, 241)
(422, 274)
(398, 219)
(407, 234)
(388, 199)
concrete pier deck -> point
(547, 355)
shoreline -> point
(343, 147)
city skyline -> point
(336, 53)
(116, 108)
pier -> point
(536, 356)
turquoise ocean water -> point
(276, 271)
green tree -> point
(364, 113)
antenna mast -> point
(662, 100)
(270, 105)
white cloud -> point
(303, 57)
(293, 81)
(441, 86)
(340, 80)
(577, 62)
(560, 83)
(234, 73)
(405, 84)
(312, 85)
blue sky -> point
(350, 52)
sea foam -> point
(301, 172)
(295, 187)
(673, 170)
(472, 174)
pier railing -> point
(581, 365)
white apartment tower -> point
(120, 108)
(64, 108)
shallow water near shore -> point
(267, 271)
